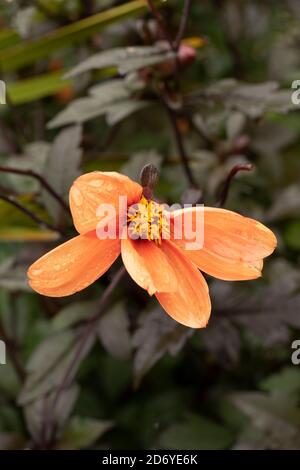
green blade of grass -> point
(31, 89)
(8, 38)
(28, 52)
(42, 86)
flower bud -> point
(148, 177)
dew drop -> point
(37, 272)
(96, 183)
(77, 196)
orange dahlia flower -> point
(233, 249)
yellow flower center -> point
(148, 220)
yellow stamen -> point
(148, 220)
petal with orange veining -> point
(232, 234)
(72, 266)
(233, 245)
(148, 265)
(227, 269)
(91, 190)
(190, 304)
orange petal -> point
(72, 266)
(233, 245)
(232, 235)
(91, 190)
(226, 269)
(148, 266)
(190, 304)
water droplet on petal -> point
(77, 196)
(96, 183)
(36, 272)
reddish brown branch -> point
(179, 141)
(87, 332)
(183, 23)
(161, 23)
(42, 181)
(164, 90)
(11, 200)
(227, 184)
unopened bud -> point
(186, 54)
(149, 175)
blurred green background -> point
(141, 381)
